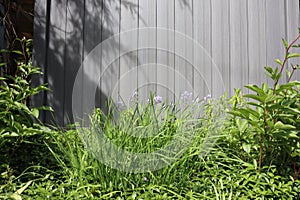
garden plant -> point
(242, 147)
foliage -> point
(16, 118)
(267, 121)
(21, 134)
(251, 154)
(219, 174)
(140, 129)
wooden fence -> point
(199, 46)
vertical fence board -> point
(92, 35)
(73, 52)
(238, 44)
(128, 60)
(202, 50)
(292, 20)
(220, 46)
(40, 44)
(236, 38)
(55, 61)
(165, 58)
(110, 30)
(256, 41)
(147, 57)
(183, 69)
(275, 31)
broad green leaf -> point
(21, 190)
(279, 62)
(271, 98)
(256, 97)
(48, 108)
(275, 106)
(278, 76)
(249, 111)
(285, 115)
(242, 125)
(236, 113)
(246, 147)
(288, 73)
(255, 163)
(35, 112)
(276, 70)
(16, 196)
(270, 123)
(291, 110)
(296, 153)
(255, 89)
(293, 55)
(3, 51)
(293, 135)
(244, 112)
(282, 126)
(264, 87)
(288, 86)
(269, 69)
(22, 106)
(17, 52)
(285, 43)
(254, 104)
(12, 134)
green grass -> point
(64, 165)
(190, 150)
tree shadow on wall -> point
(65, 32)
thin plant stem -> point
(284, 62)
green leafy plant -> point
(158, 121)
(16, 117)
(22, 135)
(268, 119)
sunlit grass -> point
(205, 168)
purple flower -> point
(120, 104)
(134, 94)
(158, 99)
(133, 97)
(186, 96)
(207, 98)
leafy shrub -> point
(21, 133)
(266, 123)
(16, 118)
(261, 135)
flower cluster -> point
(186, 96)
(158, 99)
(207, 98)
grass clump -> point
(244, 147)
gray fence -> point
(164, 46)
